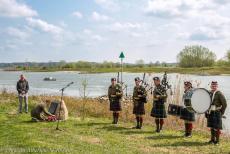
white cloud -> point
(17, 33)
(90, 35)
(117, 26)
(44, 26)
(77, 14)
(99, 17)
(108, 4)
(163, 8)
(11, 8)
(87, 31)
(180, 8)
(97, 37)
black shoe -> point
(158, 130)
(211, 142)
(216, 142)
(188, 135)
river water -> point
(97, 84)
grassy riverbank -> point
(94, 134)
(199, 71)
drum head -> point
(201, 100)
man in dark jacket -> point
(23, 88)
(115, 94)
(216, 112)
(159, 100)
(139, 99)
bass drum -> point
(200, 101)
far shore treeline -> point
(194, 59)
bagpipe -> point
(164, 83)
(124, 87)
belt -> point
(215, 108)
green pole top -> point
(122, 56)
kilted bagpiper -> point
(115, 94)
(159, 99)
(186, 114)
(216, 112)
(139, 99)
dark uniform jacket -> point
(159, 99)
(214, 118)
(139, 98)
(219, 101)
(115, 94)
(22, 86)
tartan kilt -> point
(115, 106)
(139, 108)
(186, 115)
(214, 120)
(158, 110)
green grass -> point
(93, 135)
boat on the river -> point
(49, 79)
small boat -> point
(49, 79)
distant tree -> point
(157, 63)
(228, 55)
(140, 63)
(196, 56)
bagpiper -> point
(115, 95)
(139, 100)
(216, 112)
(159, 100)
(186, 115)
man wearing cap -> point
(23, 88)
(159, 99)
(115, 94)
(216, 112)
(139, 99)
(187, 115)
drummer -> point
(216, 112)
(186, 115)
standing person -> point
(216, 112)
(23, 88)
(187, 116)
(139, 99)
(159, 100)
(115, 94)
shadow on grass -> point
(164, 137)
(92, 124)
(125, 130)
(185, 143)
(134, 131)
(114, 128)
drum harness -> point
(214, 107)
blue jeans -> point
(21, 99)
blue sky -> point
(98, 30)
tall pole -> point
(121, 70)
(122, 56)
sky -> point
(98, 30)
